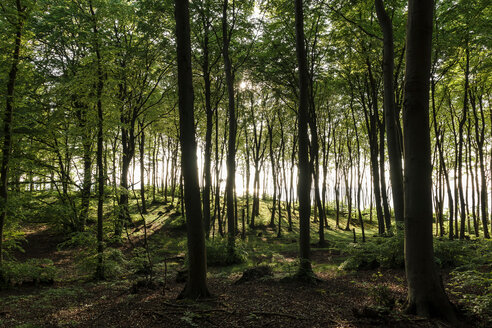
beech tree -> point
(304, 182)
(18, 22)
(196, 286)
(426, 295)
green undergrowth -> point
(384, 252)
(31, 272)
(468, 260)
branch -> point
(354, 23)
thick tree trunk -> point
(426, 295)
(196, 286)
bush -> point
(12, 242)
(33, 271)
(382, 296)
(385, 252)
(139, 263)
(114, 263)
(218, 255)
(455, 253)
(84, 239)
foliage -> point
(84, 239)
(139, 263)
(474, 288)
(114, 263)
(12, 242)
(455, 253)
(33, 271)
(217, 254)
(382, 296)
(385, 252)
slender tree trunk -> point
(127, 139)
(196, 286)
(86, 184)
(384, 195)
(274, 173)
(155, 152)
(460, 146)
(391, 118)
(142, 167)
(231, 148)
(304, 182)
(7, 124)
(480, 138)
(248, 173)
(99, 155)
(208, 134)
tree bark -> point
(304, 182)
(480, 138)
(7, 123)
(196, 286)
(231, 146)
(391, 118)
(142, 167)
(100, 140)
(426, 295)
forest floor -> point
(338, 299)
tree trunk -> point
(274, 173)
(384, 195)
(231, 147)
(426, 295)
(208, 134)
(86, 184)
(196, 286)
(7, 124)
(391, 118)
(460, 146)
(99, 154)
(304, 182)
(142, 167)
(480, 138)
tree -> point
(426, 295)
(18, 22)
(100, 139)
(394, 149)
(231, 146)
(304, 182)
(196, 286)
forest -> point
(255, 163)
